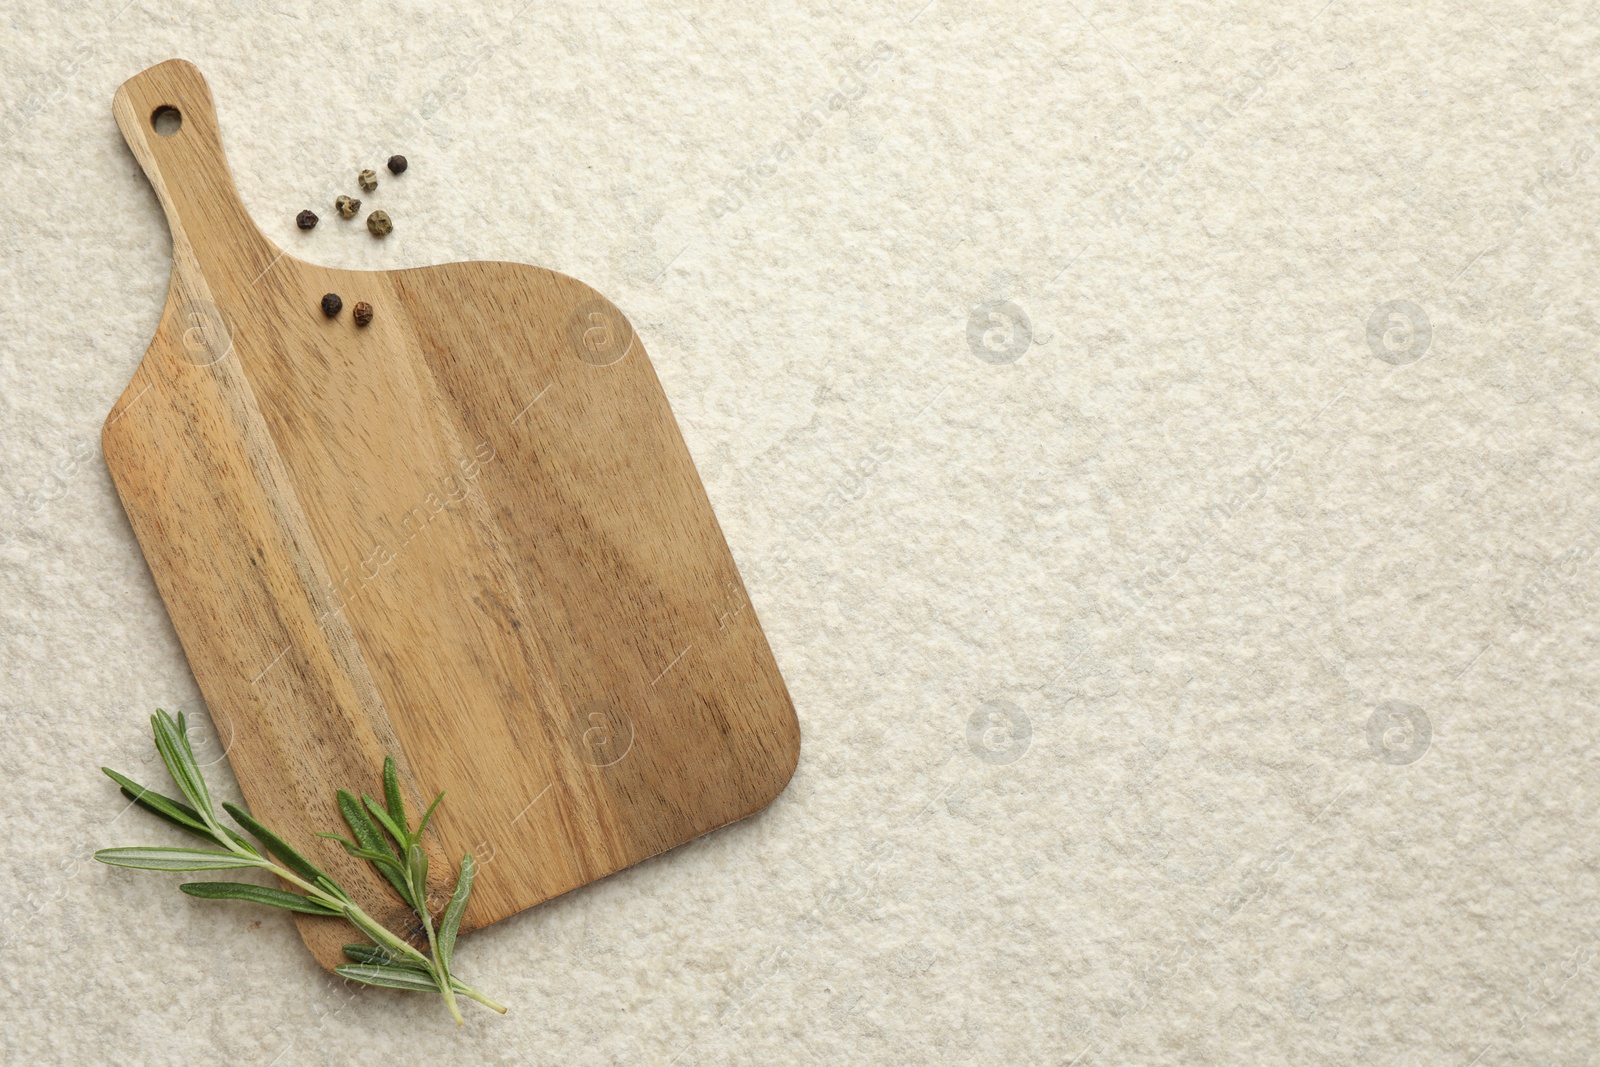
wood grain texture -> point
(469, 535)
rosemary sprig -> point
(395, 850)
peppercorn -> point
(362, 312)
(378, 224)
(305, 220)
(397, 165)
(348, 206)
(331, 304)
(368, 179)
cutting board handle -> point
(182, 156)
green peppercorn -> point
(397, 165)
(331, 304)
(362, 313)
(347, 207)
(367, 179)
(305, 220)
(378, 224)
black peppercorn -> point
(331, 304)
(305, 220)
(362, 312)
(397, 164)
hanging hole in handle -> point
(166, 120)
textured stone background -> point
(1195, 649)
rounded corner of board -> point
(784, 766)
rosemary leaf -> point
(175, 753)
(391, 792)
(451, 922)
(423, 825)
(381, 860)
(388, 977)
(362, 828)
(417, 871)
(275, 844)
(398, 832)
(371, 839)
(176, 812)
(189, 760)
(174, 859)
(381, 957)
(348, 844)
(257, 894)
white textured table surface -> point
(1159, 440)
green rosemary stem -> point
(392, 960)
(374, 929)
(467, 991)
(391, 941)
(443, 973)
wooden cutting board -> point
(469, 535)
